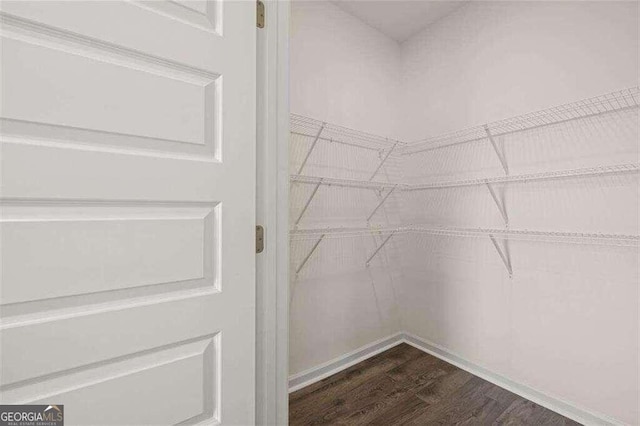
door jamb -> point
(272, 211)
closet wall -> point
(491, 60)
(565, 322)
(342, 72)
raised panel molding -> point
(104, 252)
(167, 385)
(114, 97)
(203, 14)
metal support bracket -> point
(383, 161)
(315, 246)
(381, 203)
(379, 248)
(504, 254)
(313, 145)
(499, 153)
(499, 204)
(306, 206)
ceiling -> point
(399, 19)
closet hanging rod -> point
(560, 174)
(351, 183)
(618, 101)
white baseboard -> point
(315, 374)
(554, 404)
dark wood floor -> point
(407, 386)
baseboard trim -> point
(555, 404)
(315, 374)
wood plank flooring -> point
(405, 386)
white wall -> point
(342, 70)
(566, 324)
(496, 59)
(346, 73)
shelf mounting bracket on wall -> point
(313, 145)
(499, 204)
(504, 253)
(381, 203)
(383, 161)
(379, 248)
(306, 258)
(499, 153)
(306, 205)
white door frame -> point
(272, 266)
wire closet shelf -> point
(327, 132)
(621, 100)
(317, 130)
(556, 174)
(620, 240)
(531, 177)
(347, 183)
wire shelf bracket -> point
(499, 204)
(306, 258)
(381, 203)
(306, 205)
(499, 152)
(313, 145)
(379, 248)
(504, 253)
(375, 172)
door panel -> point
(128, 188)
(134, 385)
(157, 245)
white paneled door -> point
(128, 203)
